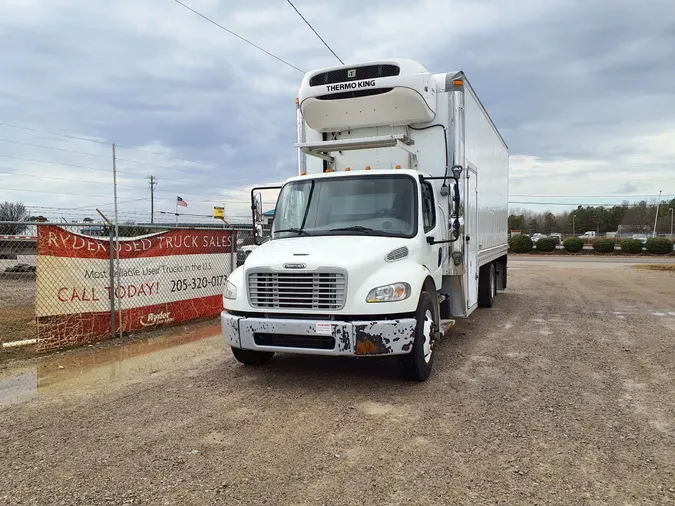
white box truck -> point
(395, 223)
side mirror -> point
(257, 208)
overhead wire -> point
(104, 143)
(89, 167)
(586, 204)
(238, 36)
(315, 32)
(108, 157)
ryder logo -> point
(152, 319)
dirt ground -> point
(563, 393)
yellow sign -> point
(219, 212)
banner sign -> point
(162, 278)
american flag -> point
(180, 202)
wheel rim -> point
(426, 332)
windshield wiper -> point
(298, 231)
(355, 228)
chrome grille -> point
(297, 290)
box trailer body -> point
(421, 147)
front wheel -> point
(252, 357)
(418, 363)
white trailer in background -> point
(396, 222)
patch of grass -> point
(656, 267)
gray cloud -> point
(575, 87)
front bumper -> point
(311, 337)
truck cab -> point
(370, 249)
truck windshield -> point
(354, 205)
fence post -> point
(112, 283)
(233, 247)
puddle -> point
(88, 368)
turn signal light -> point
(398, 167)
(347, 169)
(367, 167)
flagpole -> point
(176, 214)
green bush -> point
(546, 244)
(573, 245)
(659, 245)
(632, 246)
(520, 244)
(604, 245)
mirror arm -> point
(456, 173)
(256, 239)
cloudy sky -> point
(582, 91)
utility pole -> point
(153, 183)
(672, 213)
(656, 218)
(574, 225)
(117, 232)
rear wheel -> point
(252, 357)
(417, 364)
(487, 285)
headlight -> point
(389, 293)
(230, 291)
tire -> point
(487, 282)
(251, 357)
(494, 281)
(417, 364)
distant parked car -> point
(244, 251)
(536, 237)
(640, 237)
(587, 235)
(557, 238)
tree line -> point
(627, 218)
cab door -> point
(432, 256)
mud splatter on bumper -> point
(337, 338)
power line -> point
(21, 174)
(92, 206)
(586, 204)
(238, 36)
(106, 170)
(55, 163)
(585, 196)
(315, 32)
(54, 193)
(85, 153)
(104, 143)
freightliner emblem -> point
(294, 266)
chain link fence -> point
(69, 284)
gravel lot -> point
(561, 394)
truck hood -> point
(325, 251)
